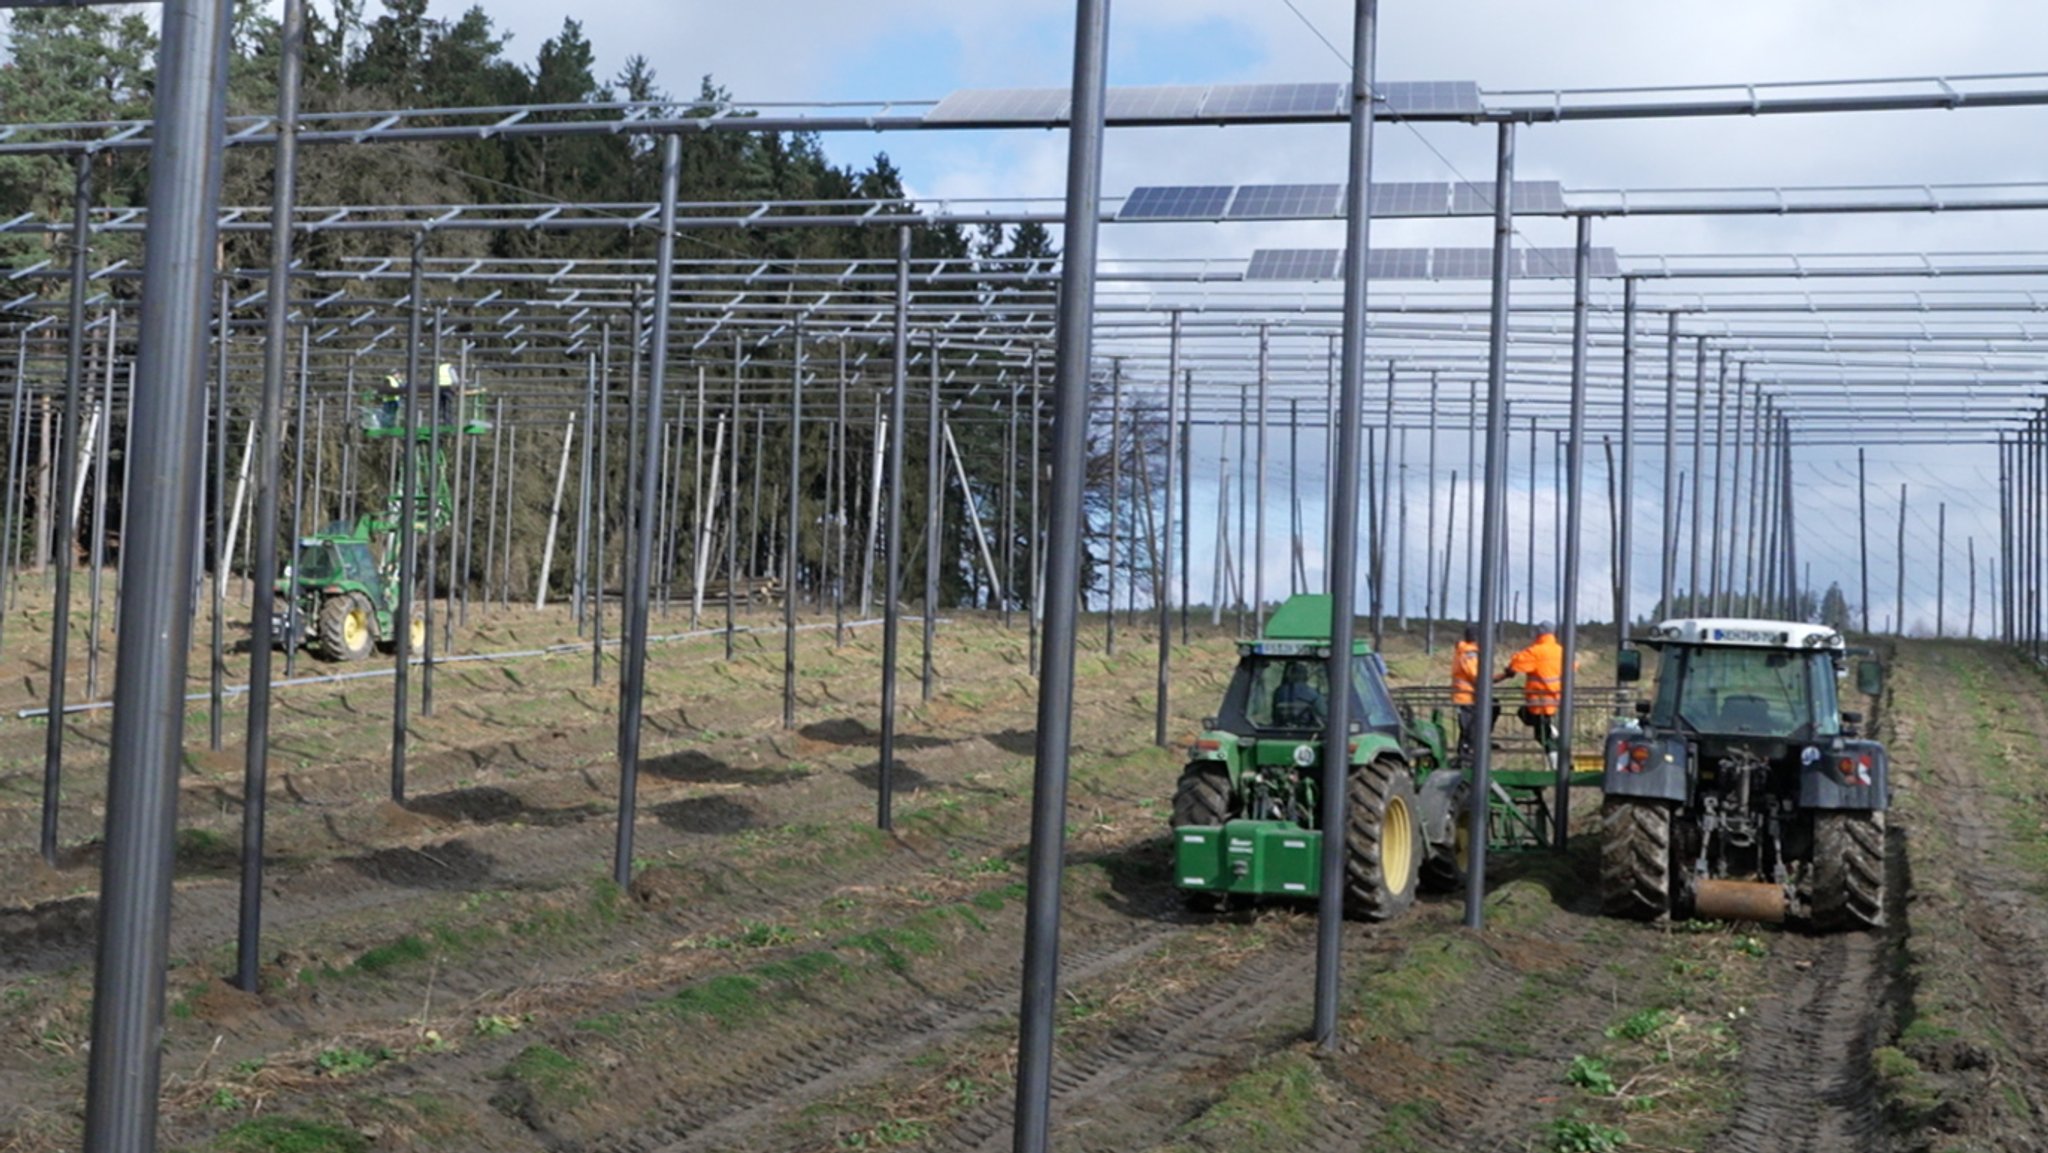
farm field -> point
(458, 973)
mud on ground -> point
(457, 973)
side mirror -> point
(1642, 708)
(1869, 677)
(1628, 665)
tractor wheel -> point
(418, 639)
(1202, 798)
(1848, 871)
(1382, 840)
(1635, 859)
(346, 633)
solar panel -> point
(1000, 105)
(1461, 263)
(1400, 263)
(1176, 202)
(1293, 264)
(1273, 100)
(1430, 98)
(1558, 263)
(1544, 263)
(1155, 102)
(1531, 197)
(1409, 198)
(1286, 201)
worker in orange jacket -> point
(1465, 690)
(1541, 666)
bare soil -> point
(456, 972)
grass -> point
(556, 1080)
(289, 1135)
(1271, 1107)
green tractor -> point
(340, 600)
(1246, 809)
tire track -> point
(724, 1115)
(1168, 1040)
(1806, 1053)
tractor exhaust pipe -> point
(1740, 901)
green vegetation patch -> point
(1272, 1107)
(289, 1135)
(556, 1080)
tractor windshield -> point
(1762, 692)
(316, 562)
(1292, 694)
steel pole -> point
(1259, 487)
(1863, 536)
(1574, 519)
(1624, 547)
(892, 567)
(1668, 575)
(1063, 568)
(155, 632)
(67, 520)
(791, 537)
(1342, 548)
(218, 666)
(633, 676)
(1494, 513)
(277, 333)
(1165, 552)
(1699, 424)
(408, 528)
(934, 518)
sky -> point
(817, 50)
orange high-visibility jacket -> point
(1465, 673)
(1542, 669)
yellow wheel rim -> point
(355, 629)
(1397, 845)
(1461, 851)
(419, 634)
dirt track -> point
(456, 974)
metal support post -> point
(123, 1079)
(1342, 550)
(270, 416)
(1063, 565)
(892, 569)
(633, 674)
(67, 515)
(1574, 519)
(1495, 515)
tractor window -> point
(1369, 678)
(1769, 692)
(1292, 694)
(316, 563)
(1289, 694)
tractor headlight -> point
(1304, 755)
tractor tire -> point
(1382, 841)
(418, 640)
(1203, 798)
(347, 632)
(1635, 859)
(1848, 871)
